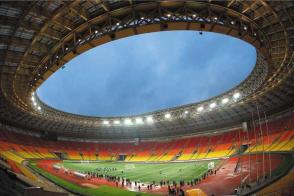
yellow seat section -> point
(288, 146)
(185, 157)
(26, 172)
(217, 154)
(12, 156)
(200, 156)
(140, 158)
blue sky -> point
(148, 72)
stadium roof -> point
(39, 37)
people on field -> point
(181, 193)
(169, 190)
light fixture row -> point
(34, 102)
(149, 119)
(129, 121)
(168, 115)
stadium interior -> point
(238, 143)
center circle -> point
(149, 72)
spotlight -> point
(142, 18)
(212, 105)
(199, 109)
(186, 112)
(149, 119)
(215, 18)
(35, 104)
(33, 98)
(57, 57)
(167, 116)
(225, 100)
(194, 15)
(254, 34)
(105, 122)
(232, 22)
(128, 121)
(168, 15)
(79, 40)
(66, 49)
(236, 95)
(116, 122)
(96, 31)
(245, 28)
(117, 24)
(39, 108)
(139, 121)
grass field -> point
(102, 190)
(145, 172)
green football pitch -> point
(144, 172)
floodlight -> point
(186, 112)
(106, 122)
(116, 122)
(33, 99)
(215, 18)
(142, 18)
(39, 108)
(194, 15)
(236, 95)
(57, 56)
(245, 28)
(168, 15)
(167, 115)
(212, 105)
(117, 24)
(254, 34)
(128, 121)
(79, 40)
(225, 100)
(232, 22)
(199, 109)
(35, 104)
(96, 31)
(149, 119)
(139, 121)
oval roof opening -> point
(149, 72)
